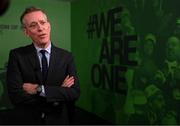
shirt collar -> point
(48, 49)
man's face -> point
(148, 47)
(37, 28)
(173, 48)
(158, 102)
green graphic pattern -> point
(152, 86)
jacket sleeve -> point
(15, 81)
(54, 93)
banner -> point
(128, 58)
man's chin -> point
(43, 43)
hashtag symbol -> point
(91, 27)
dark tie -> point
(44, 65)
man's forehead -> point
(35, 16)
(173, 40)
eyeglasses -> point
(36, 25)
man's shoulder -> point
(61, 50)
(22, 49)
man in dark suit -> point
(41, 78)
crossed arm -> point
(31, 88)
(24, 92)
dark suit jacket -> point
(24, 66)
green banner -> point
(127, 54)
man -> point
(147, 66)
(41, 78)
(168, 78)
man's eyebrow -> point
(43, 20)
(33, 22)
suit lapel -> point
(34, 61)
(52, 63)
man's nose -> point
(40, 27)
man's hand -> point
(30, 88)
(68, 81)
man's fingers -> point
(68, 82)
(70, 79)
(65, 80)
(66, 77)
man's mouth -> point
(42, 35)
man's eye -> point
(43, 23)
(32, 26)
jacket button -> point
(55, 103)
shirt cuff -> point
(43, 91)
